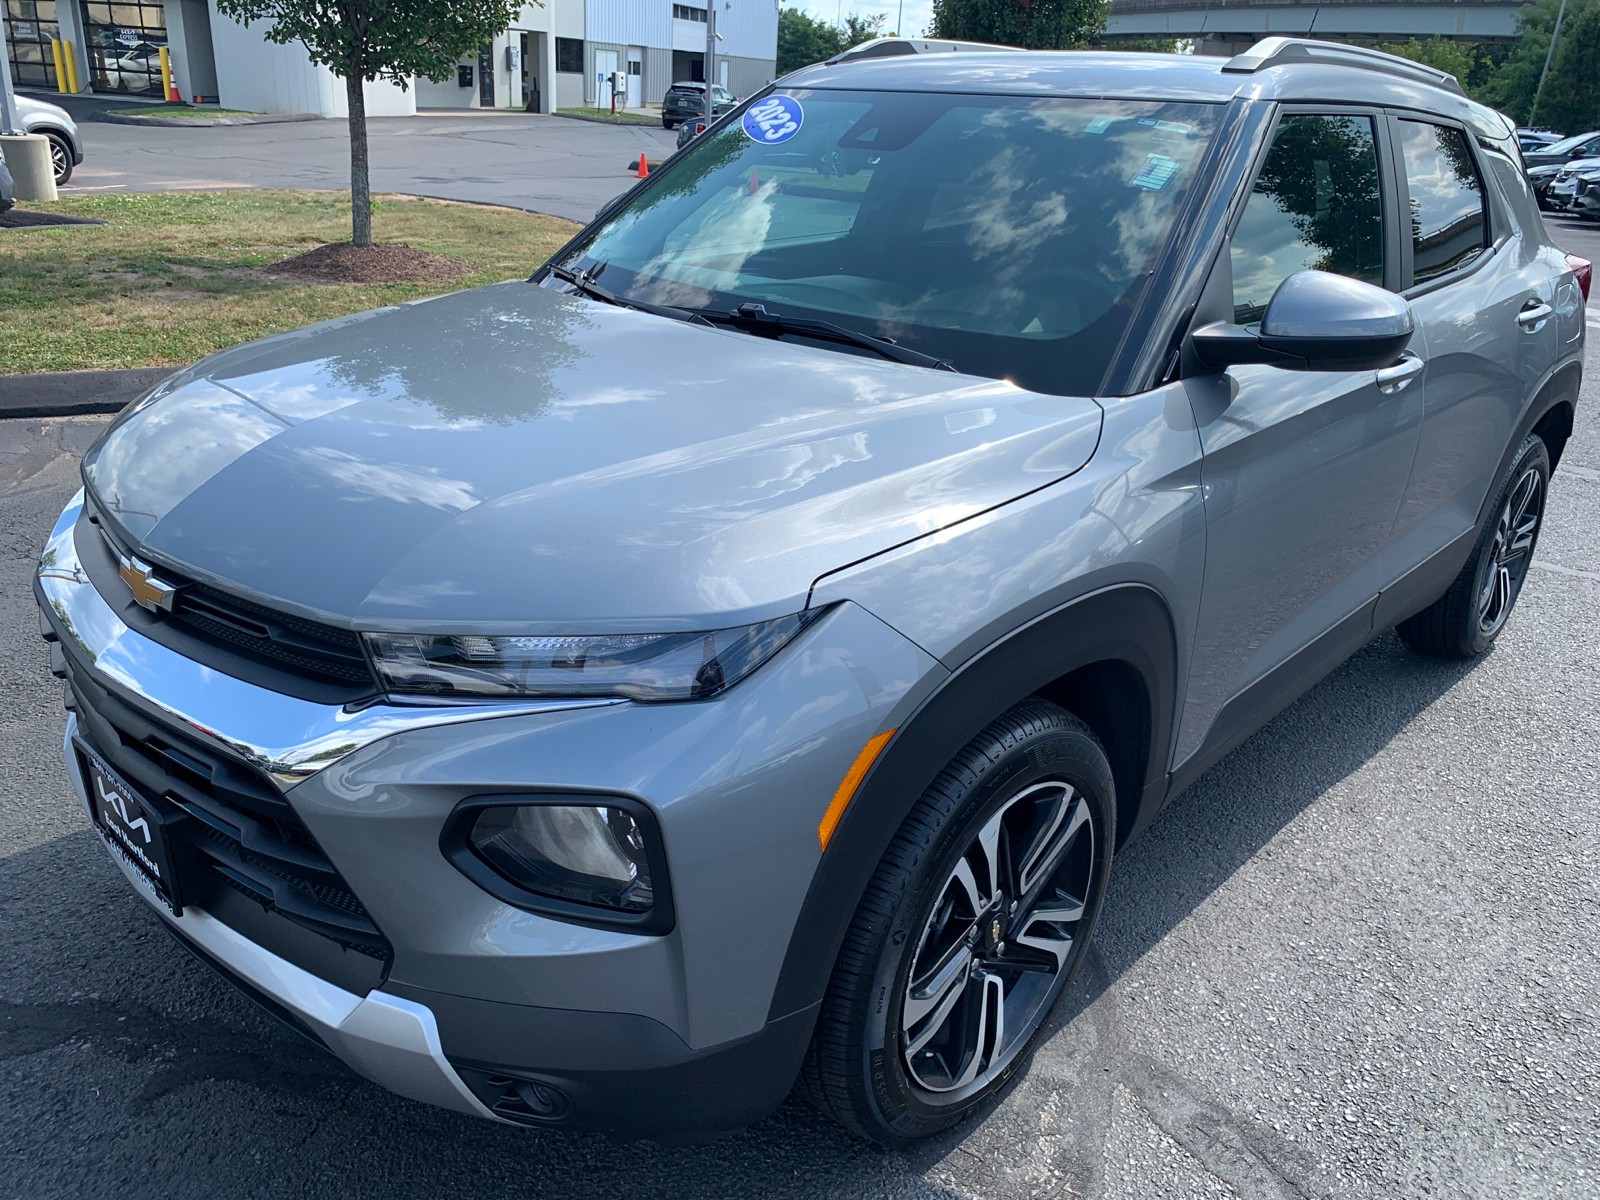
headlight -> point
(596, 860)
(638, 666)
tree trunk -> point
(360, 192)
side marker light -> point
(848, 785)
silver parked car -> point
(735, 654)
(53, 123)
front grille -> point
(285, 639)
(239, 637)
(243, 835)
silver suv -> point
(734, 654)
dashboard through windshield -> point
(1007, 236)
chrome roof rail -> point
(1280, 51)
(891, 47)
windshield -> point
(1007, 236)
(1565, 144)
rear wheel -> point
(1465, 621)
(975, 920)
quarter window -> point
(1448, 225)
(1315, 206)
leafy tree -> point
(804, 39)
(1439, 52)
(1035, 24)
(365, 40)
(858, 29)
(1570, 100)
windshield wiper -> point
(582, 281)
(754, 318)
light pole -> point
(1548, 54)
(711, 53)
(8, 106)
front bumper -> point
(391, 1040)
(480, 1006)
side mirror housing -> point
(1315, 321)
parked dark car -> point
(690, 130)
(1584, 145)
(685, 100)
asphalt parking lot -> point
(547, 164)
(1358, 958)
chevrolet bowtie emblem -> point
(147, 590)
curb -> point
(607, 121)
(75, 393)
(264, 119)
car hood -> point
(31, 111)
(513, 458)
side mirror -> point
(1315, 322)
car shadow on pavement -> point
(156, 1038)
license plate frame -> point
(132, 827)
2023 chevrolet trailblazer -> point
(734, 654)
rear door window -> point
(1449, 227)
(1316, 205)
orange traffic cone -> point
(644, 167)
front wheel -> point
(1465, 621)
(60, 157)
(975, 920)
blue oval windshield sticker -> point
(776, 119)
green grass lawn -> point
(176, 275)
(183, 110)
(604, 114)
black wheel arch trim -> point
(1560, 387)
(1129, 624)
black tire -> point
(668, 125)
(858, 1066)
(1467, 619)
(60, 157)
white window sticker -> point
(1156, 173)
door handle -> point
(1533, 316)
(1393, 379)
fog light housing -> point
(592, 859)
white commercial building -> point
(561, 54)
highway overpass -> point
(1228, 26)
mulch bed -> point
(17, 218)
(387, 262)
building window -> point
(684, 13)
(569, 55)
(29, 27)
(124, 45)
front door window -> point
(1315, 206)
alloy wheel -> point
(1000, 940)
(1510, 552)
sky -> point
(918, 13)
